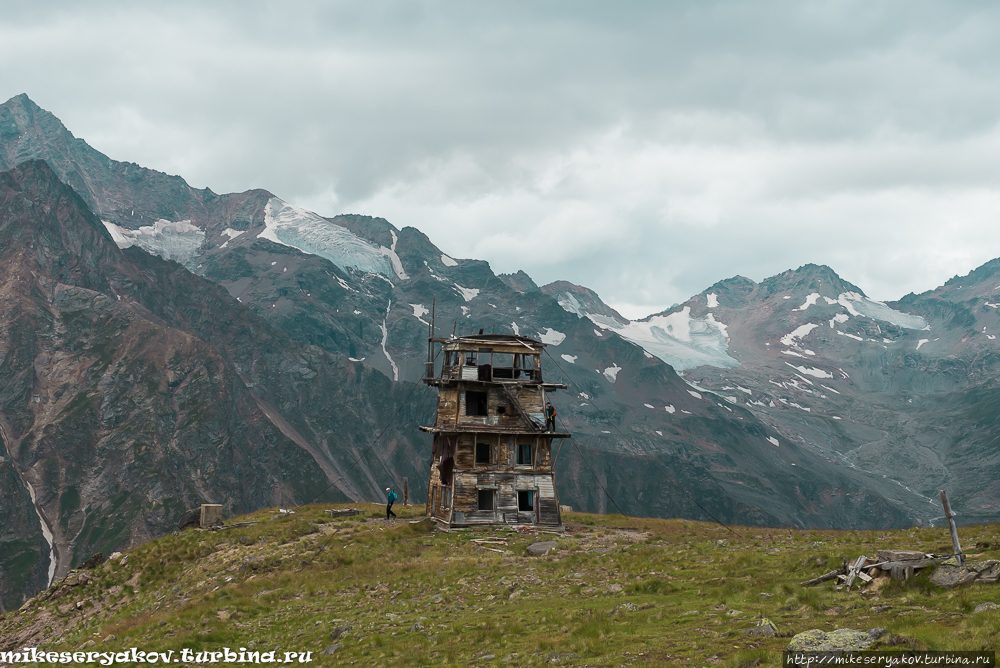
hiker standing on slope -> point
(550, 417)
(391, 497)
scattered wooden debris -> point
(900, 564)
(226, 527)
(903, 564)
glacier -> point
(180, 241)
(860, 305)
(682, 341)
(310, 233)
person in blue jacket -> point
(391, 497)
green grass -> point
(414, 597)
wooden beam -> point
(951, 527)
(823, 578)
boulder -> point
(764, 628)
(949, 576)
(985, 607)
(839, 640)
(623, 607)
(539, 549)
(330, 650)
(339, 632)
(989, 571)
(877, 632)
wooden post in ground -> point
(951, 526)
(406, 492)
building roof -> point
(492, 339)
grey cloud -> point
(442, 114)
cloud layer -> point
(646, 151)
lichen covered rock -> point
(839, 640)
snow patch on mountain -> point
(397, 265)
(420, 310)
(772, 440)
(447, 261)
(798, 333)
(467, 293)
(810, 300)
(515, 328)
(611, 373)
(232, 234)
(569, 358)
(551, 337)
(310, 233)
(178, 241)
(385, 338)
(670, 409)
(713, 300)
(858, 305)
(840, 317)
(694, 394)
(810, 371)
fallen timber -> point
(861, 569)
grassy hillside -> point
(616, 591)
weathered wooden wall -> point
(505, 510)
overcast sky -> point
(645, 150)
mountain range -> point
(163, 346)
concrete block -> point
(211, 515)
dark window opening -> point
(447, 469)
(482, 453)
(501, 410)
(503, 365)
(486, 499)
(524, 454)
(526, 500)
(475, 403)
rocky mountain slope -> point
(905, 391)
(131, 389)
(322, 326)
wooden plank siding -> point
(451, 408)
(465, 494)
(507, 370)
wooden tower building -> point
(492, 459)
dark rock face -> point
(119, 192)
(126, 394)
(519, 282)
